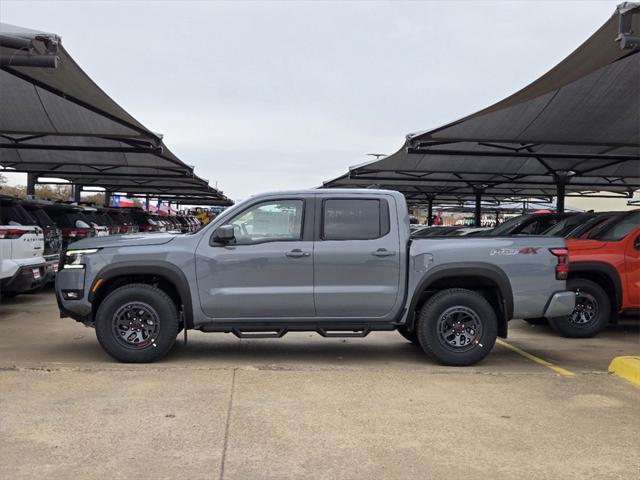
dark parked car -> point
(73, 223)
(52, 236)
(576, 225)
(122, 219)
(102, 214)
(144, 220)
(528, 224)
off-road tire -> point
(430, 319)
(568, 328)
(167, 315)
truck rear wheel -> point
(137, 323)
(591, 313)
(457, 327)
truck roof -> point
(333, 191)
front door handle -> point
(297, 253)
(383, 252)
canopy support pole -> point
(477, 213)
(430, 211)
(147, 203)
(560, 187)
(561, 178)
(77, 193)
(107, 198)
(31, 184)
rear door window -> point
(354, 219)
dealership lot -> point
(304, 406)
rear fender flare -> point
(468, 269)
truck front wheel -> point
(457, 327)
(137, 323)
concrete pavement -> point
(308, 407)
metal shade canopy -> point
(574, 130)
(438, 189)
(56, 122)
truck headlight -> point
(73, 258)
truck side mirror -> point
(224, 234)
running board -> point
(350, 330)
(362, 332)
(275, 333)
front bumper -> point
(78, 309)
(561, 304)
(26, 278)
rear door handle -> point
(383, 252)
(297, 253)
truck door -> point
(356, 257)
(267, 270)
(631, 288)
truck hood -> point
(135, 240)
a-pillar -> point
(31, 184)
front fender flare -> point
(168, 271)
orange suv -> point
(604, 271)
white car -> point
(22, 266)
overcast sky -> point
(272, 95)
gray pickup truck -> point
(337, 262)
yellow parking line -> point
(559, 370)
(627, 368)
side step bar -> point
(276, 333)
(333, 330)
(281, 332)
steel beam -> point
(488, 153)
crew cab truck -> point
(604, 273)
(337, 262)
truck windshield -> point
(616, 231)
(565, 226)
(506, 227)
